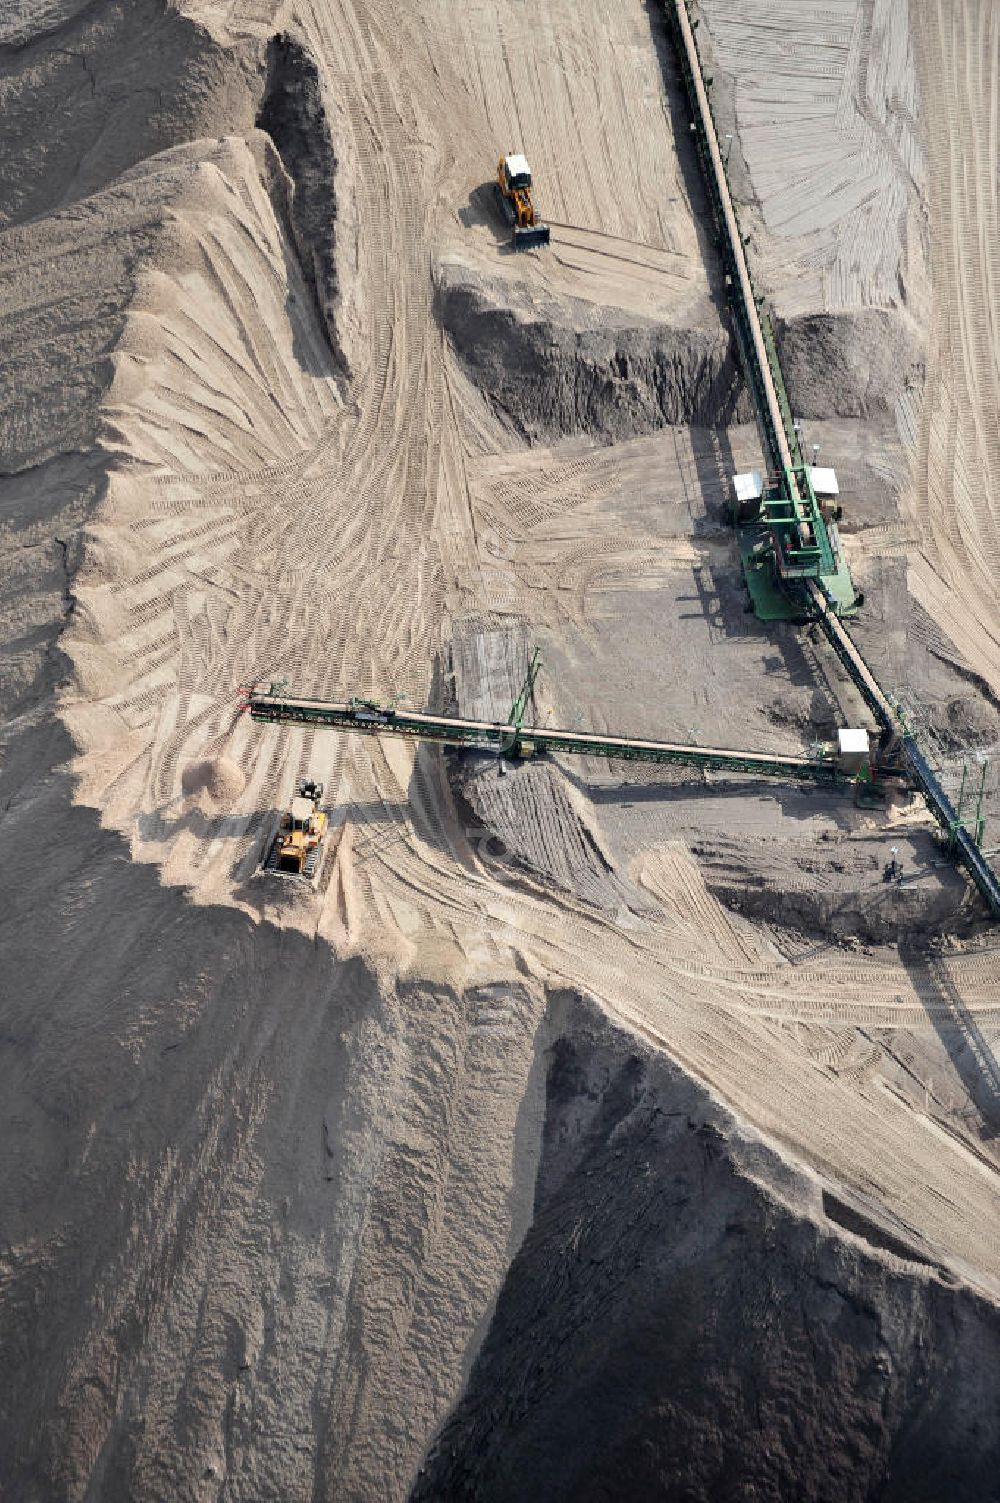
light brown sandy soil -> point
(270, 1152)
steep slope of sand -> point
(270, 1153)
(672, 1264)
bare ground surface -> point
(269, 1154)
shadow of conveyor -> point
(801, 801)
(967, 1047)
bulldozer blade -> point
(536, 234)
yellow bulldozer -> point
(517, 204)
(296, 849)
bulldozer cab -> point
(301, 813)
(516, 172)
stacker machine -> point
(789, 547)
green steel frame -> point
(516, 741)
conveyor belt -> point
(850, 655)
(963, 847)
(508, 739)
(770, 416)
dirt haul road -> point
(270, 1153)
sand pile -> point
(565, 368)
(219, 779)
